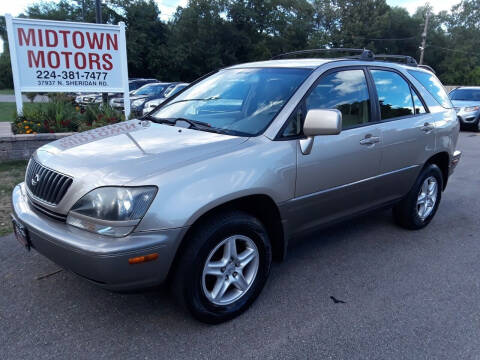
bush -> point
(99, 115)
(61, 116)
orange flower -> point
(29, 131)
(26, 126)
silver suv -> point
(205, 190)
(466, 100)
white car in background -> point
(152, 104)
(466, 101)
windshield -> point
(465, 94)
(149, 90)
(240, 101)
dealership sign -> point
(60, 56)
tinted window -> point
(433, 85)
(393, 94)
(465, 94)
(346, 91)
(419, 108)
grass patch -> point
(8, 109)
(11, 173)
(6, 92)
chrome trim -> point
(353, 183)
(54, 184)
(44, 211)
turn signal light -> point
(141, 259)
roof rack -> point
(427, 67)
(405, 59)
(364, 53)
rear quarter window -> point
(433, 86)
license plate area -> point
(21, 234)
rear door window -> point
(433, 86)
(394, 96)
(418, 105)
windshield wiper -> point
(199, 125)
(194, 124)
(185, 100)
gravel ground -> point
(408, 295)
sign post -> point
(61, 56)
(13, 60)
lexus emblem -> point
(35, 179)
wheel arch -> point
(262, 206)
(442, 160)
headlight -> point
(137, 103)
(471, 108)
(113, 211)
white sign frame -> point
(122, 49)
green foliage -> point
(62, 116)
(97, 116)
(55, 116)
(209, 34)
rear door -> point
(408, 131)
(336, 178)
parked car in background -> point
(96, 98)
(203, 196)
(171, 90)
(139, 97)
(466, 100)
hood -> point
(465, 103)
(119, 153)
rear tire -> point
(418, 208)
(215, 280)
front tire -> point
(418, 208)
(223, 267)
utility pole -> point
(98, 11)
(424, 37)
(98, 16)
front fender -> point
(260, 166)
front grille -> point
(46, 184)
(44, 211)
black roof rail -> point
(364, 53)
(405, 59)
(427, 67)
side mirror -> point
(322, 122)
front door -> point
(336, 178)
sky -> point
(168, 7)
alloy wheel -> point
(230, 270)
(427, 197)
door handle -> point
(427, 127)
(370, 140)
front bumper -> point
(100, 259)
(468, 118)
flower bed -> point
(59, 116)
